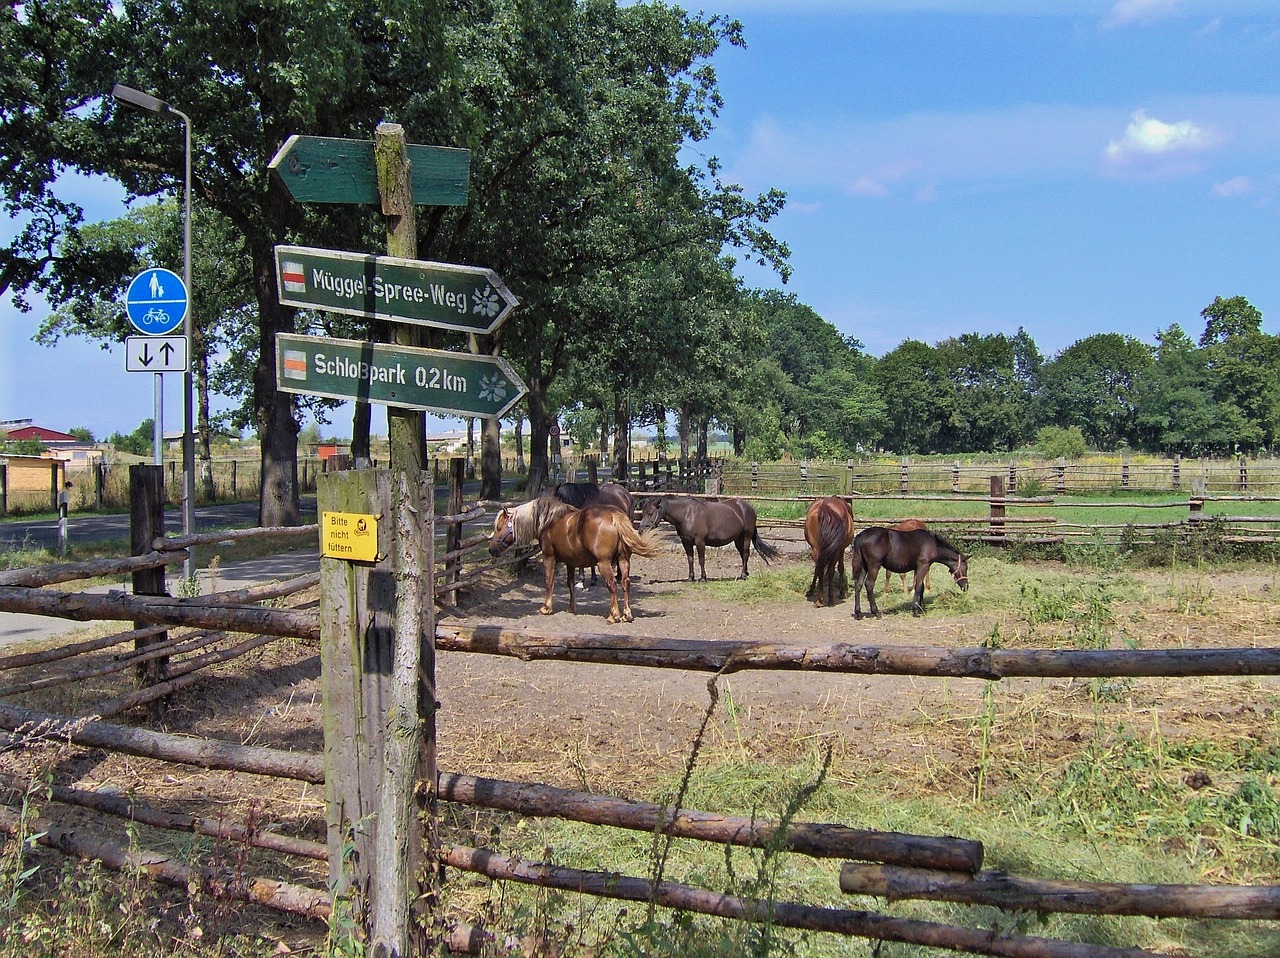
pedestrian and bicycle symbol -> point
(156, 301)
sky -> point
(1068, 167)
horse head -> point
(961, 572)
(654, 511)
(504, 533)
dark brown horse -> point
(702, 523)
(828, 528)
(597, 536)
(877, 548)
(906, 525)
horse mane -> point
(946, 545)
(529, 518)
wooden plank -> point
(322, 169)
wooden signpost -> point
(377, 597)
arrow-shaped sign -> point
(469, 299)
(321, 169)
(454, 384)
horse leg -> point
(606, 572)
(917, 600)
(871, 593)
(688, 551)
(572, 572)
(744, 550)
(624, 579)
(844, 579)
(702, 560)
(549, 564)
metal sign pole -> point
(157, 431)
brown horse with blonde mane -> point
(596, 536)
(828, 528)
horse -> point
(828, 528)
(596, 535)
(906, 525)
(877, 547)
(579, 494)
(704, 523)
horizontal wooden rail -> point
(60, 572)
(1013, 893)
(163, 543)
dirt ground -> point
(620, 729)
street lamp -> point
(151, 104)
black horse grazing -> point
(702, 523)
(579, 494)
(876, 547)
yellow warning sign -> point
(349, 535)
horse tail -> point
(831, 542)
(639, 543)
(763, 549)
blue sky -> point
(952, 166)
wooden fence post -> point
(4, 488)
(755, 477)
(1062, 475)
(997, 507)
(233, 478)
(1177, 470)
(55, 483)
(377, 633)
(146, 523)
(1124, 473)
(1244, 474)
(955, 476)
(904, 481)
(848, 478)
(1013, 476)
(99, 483)
(453, 535)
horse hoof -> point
(545, 610)
(612, 619)
(629, 617)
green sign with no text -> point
(469, 299)
(435, 380)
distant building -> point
(58, 445)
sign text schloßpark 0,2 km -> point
(437, 380)
(469, 299)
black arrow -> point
(145, 358)
(167, 349)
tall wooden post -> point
(146, 523)
(453, 535)
(997, 507)
(378, 675)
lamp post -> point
(151, 104)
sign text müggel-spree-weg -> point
(441, 295)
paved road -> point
(88, 527)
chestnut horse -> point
(581, 494)
(592, 536)
(702, 523)
(877, 547)
(828, 528)
(906, 525)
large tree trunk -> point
(520, 463)
(683, 429)
(204, 434)
(704, 425)
(621, 431)
(491, 459)
(278, 426)
(361, 421)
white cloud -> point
(1147, 137)
(929, 155)
(1236, 186)
(1129, 12)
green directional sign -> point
(322, 169)
(435, 380)
(469, 299)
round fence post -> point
(1062, 475)
(1013, 476)
(1244, 474)
(955, 476)
(997, 507)
(1177, 470)
(1124, 473)
(146, 524)
(755, 477)
(904, 481)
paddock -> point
(557, 738)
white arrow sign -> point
(155, 354)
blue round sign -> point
(156, 301)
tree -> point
(914, 382)
(1091, 385)
(1225, 318)
(992, 404)
(82, 433)
(137, 443)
